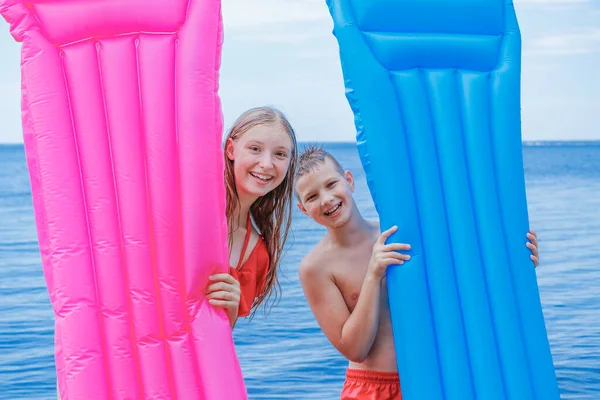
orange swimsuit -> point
(252, 274)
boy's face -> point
(325, 195)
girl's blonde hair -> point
(272, 213)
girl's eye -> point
(309, 198)
(254, 148)
(281, 154)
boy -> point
(343, 277)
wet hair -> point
(272, 213)
(312, 158)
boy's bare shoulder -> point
(316, 260)
(374, 225)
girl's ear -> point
(229, 149)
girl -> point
(260, 161)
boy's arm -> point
(352, 334)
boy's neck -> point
(355, 230)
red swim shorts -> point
(371, 385)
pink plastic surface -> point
(122, 128)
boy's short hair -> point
(312, 157)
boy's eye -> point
(331, 184)
(254, 148)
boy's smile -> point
(334, 211)
(325, 194)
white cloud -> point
(560, 6)
(274, 34)
(585, 41)
(551, 2)
(258, 13)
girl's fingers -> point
(221, 303)
(220, 286)
(220, 295)
(223, 278)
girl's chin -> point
(254, 190)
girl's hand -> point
(225, 292)
(533, 246)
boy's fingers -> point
(396, 246)
(387, 234)
(394, 258)
(401, 256)
(393, 261)
(535, 260)
(396, 255)
(531, 247)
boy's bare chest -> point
(350, 270)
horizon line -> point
(542, 142)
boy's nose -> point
(327, 200)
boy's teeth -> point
(334, 209)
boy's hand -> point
(225, 292)
(533, 246)
(386, 254)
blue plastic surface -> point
(435, 90)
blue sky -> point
(282, 53)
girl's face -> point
(261, 158)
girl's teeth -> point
(261, 177)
